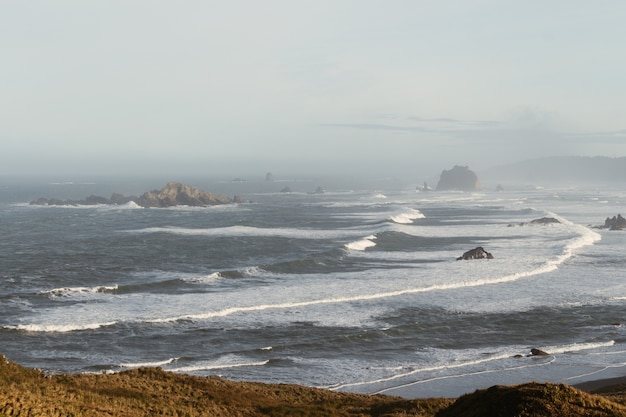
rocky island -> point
(615, 223)
(173, 194)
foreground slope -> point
(152, 391)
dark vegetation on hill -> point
(152, 391)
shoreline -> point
(602, 384)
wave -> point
(238, 231)
(148, 364)
(361, 245)
(588, 237)
(70, 291)
(577, 347)
(57, 328)
(229, 361)
(407, 216)
(205, 279)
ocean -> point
(357, 289)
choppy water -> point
(356, 289)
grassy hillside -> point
(152, 391)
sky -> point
(399, 86)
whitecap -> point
(71, 291)
(407, 216)
(205, 279)
(57, 328)
(361, 245)
(236, 231)
(576, 347)
(148, 364)
(228, 361)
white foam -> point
(361, 245)
(148, 364)
(576, 347)
(70, 291)
(205, 279)
(253, 231)
(58, 328)
(229, 361)
(407, 216)
(442, 370)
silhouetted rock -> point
(477, 253)
(269, 177)
(458, 179)
(615, 223)
(286, 190)
(318, 190)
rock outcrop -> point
(545, 220)
(177, 194)
(173, 194)
(476, 253)
(542, 222)
(458, 178)
(538, 352)
(615, 223)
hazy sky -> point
(243, 86)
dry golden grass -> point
(154, 392)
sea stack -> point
(459, 178)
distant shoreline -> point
(600, 384)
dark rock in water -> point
(269, 177)
(477, 253)
(95, 200)
(615, 223)
(458, 179)
(424, 188)
(173, 194)
(499, 188)
(287, 189)
(545, 220)
(318, 190)
(538, 352)
(542, 221)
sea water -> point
(357, 289)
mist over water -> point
(356, 289)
